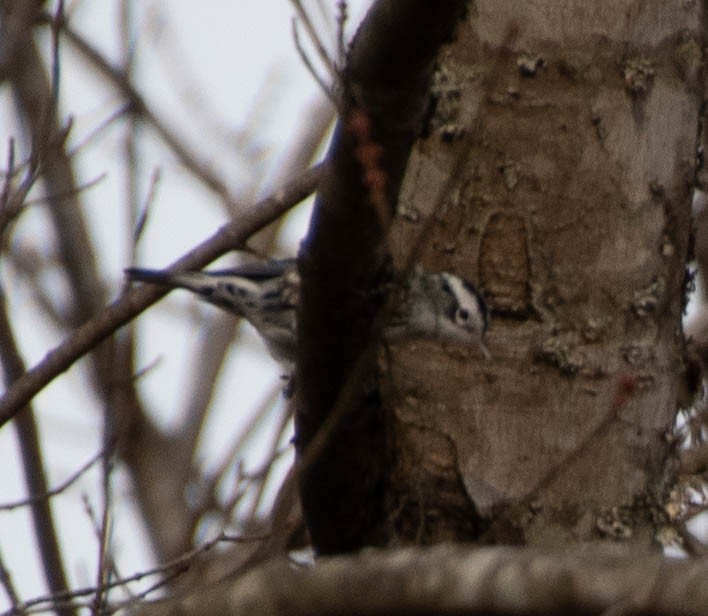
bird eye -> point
(463, 314)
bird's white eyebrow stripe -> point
(462, 289)
(456, 285)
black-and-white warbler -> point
(440, 306)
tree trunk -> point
(557, 174)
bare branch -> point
(133, 302)
(341, 22)
(456, 579)
(9, 174)
(273, 455)
(67, 194)
(210, 483)
(315, 39)
(215, 342)
(170, 569)
(67, 483)
(144, 213)
(17, 20)
(342, 259)
(12, 203)
(119, 79)
(33, 466)
(324, 86)
(9, 586)
(101, 128)
(105, 558)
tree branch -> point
(456, 579)
(133, 302)
(33, 466)
(342, 260)
(121, 80)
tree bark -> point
(558, 176)
(556, 172)
(454, 579)
(340, 434)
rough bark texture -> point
(557, 173)
(572, 212)
(342, 262)
(458, 580)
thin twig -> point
(33, 467)
(33, 90)
(9, 173)
(239, 443)
(67, 483)
(99, 129)
(56, 66)
(32, 267)
(324, 86)
(133, 302)
(105, 560)
(9, 586)
(216, 339)
(181, 564)
(341, 23)
(60, 196)
(144, 213)
(274, 454)
(118, 78)
(96, 526)
(138, 215)
(13, 203)
(251, 479)
(209, 484)
(315, 39)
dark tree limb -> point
(149, 454)
(383, 102)
(33, 465)
(132, 303)
(457, 579)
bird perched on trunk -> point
(439, 306)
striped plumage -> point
(439, 306)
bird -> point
(434, 306)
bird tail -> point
(232, 292)
(140, 274)
(197, 282)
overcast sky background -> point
(204, 67)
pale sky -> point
(203, 68)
